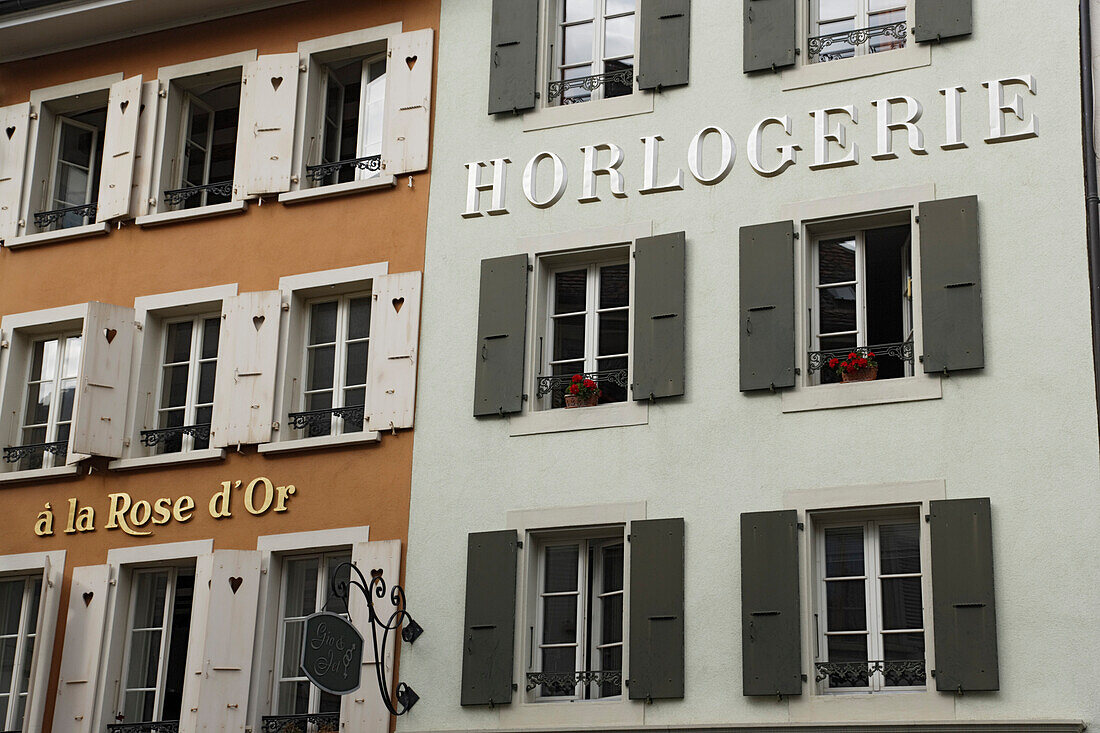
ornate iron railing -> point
(310, 723)
(323, 170)
(565, 683)
(901, 673)
(557, 385)
(904, 351)
(150, 438)
(162, 726)
(177, 196)
(320, 421)
(854, 39)
(43, 219)
(16, 453)
(589, 84)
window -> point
(862, 301)
(336, 365)
(842, 29)
(207, 146)
(870, 609)
(186, 395)
(156, 644)
(592, 50)
(578, 631)
(19, 598)
(351, 123)
(49, 400)
(307, 589)
(587, 328)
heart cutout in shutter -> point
(275, 82)
(257, 321)
(88, 598)
(124, 104)
(11, 132)
(411, 61)
(376, 573)
(235, 583)
(109, 334)
(397, 303)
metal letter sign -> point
(332, 653)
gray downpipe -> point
(1092, 196)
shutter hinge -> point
(916, 219)
(515, 687)
(275, 425)
(802, 526)
(628, 537)
(530, 268)
(525, 397)
(928, 518)
(519, 544)
(798, 371)
(627, 683)
(798, 235)
(804, 678)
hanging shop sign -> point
(829, 143)
(139, 518)
(332, 653)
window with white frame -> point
(352, 112)
(843, 29)
(185, 400)
(861, 301)
(592, 50)
(308, 585)
(587, 329)
(157, 632)
(335, 370)
(19, 599)
(49, 399)
(204, 154)
(66, 179)
(577, 629)
(869, 602)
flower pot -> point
(866, 374)
(572, 400)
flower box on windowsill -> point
(867, 374)
(572, 401)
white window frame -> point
(861, 19)
(94, 163)
(340, 353)
(53, 423)
(25, 636)
(363, 119)
(194, 365)
(557, 69)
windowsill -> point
(600, 109)
(40, 474)
(879, 392)
(583, 714)
(336, 189)
(89, 230)
(203, 212)
(323, 441)
(167, 459)
(563, 420)
(913, 56)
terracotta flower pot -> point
(572, 400)
(866, 374)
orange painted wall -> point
(335, 487)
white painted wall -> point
(1023, 431)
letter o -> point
(146, 512)
(269, 495)
(530, 173)
(695, 156)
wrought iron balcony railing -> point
(556, 386)
(565, 683)
(16, 453)
(161, 726)
(319, 422)
(901, 673)
(310, 723)
(44, 219)
(150, 438)
(904, 351)
(177, 196)
(846, 42)
(589, 84)
(322, 171)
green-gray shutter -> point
(771, 636)
(656, 609)
(665, 49)
(771, 34)
(501, 335)
(964, 616)
(940, 19)
(659, 316)
(487, 651)
(513, 62)
(951, 285)
(767, 306)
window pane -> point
(75, 145)
(619, 37)
(611, 660)
(559, 619)
(11, 604)
(843, 552)
(44, 360)
(901, 603)
(359, 318)
(177, 343)
(613, 333)
(612, 568)
(900, 548)
(836, 260)
(611, 619)
(578, 9)
(149, 591)
(174, 389)
(321, 363)
(559, 659)
(322, 323)
(39, 397)
(570, 291)
(838, 309)
(329, 703)
(609, 390)
(617, 87)
(614, 286)
(830, 9)
(292, 648)
(68, 399)
(356, 365)
(139, 706)
(848, 649)
(7, 662)
(577, 44)
(206, 381)
(354, 398)
(577, 94)
(211, 328)
(301, 586)
(839, 48)
(200, 122)
(333, 563)
(144, 658)
(874, 5)
(569, 337)
(903, 646)
(71, 367)
(614, 7)
(561, 568)
(293, 698)
(845, 602)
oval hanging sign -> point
(332, 653)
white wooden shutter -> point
(43, 647)
(219, 654)
(408, 102)
(80, 657)
(106, 352)
(373, 113)
(145, 149)
(245, 124)
(119, 149)
(363, 711)
(244, 388)
(273, 89)
(391, 364)
(14, 123)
